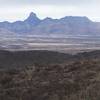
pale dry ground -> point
(67, 44)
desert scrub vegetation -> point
(79, 80)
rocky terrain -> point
(59, 76)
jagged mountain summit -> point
(66, 25)
(21, 26)
(32, 19)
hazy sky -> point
(12, 10)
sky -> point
(12, 10)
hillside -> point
(22, 59)
(75, 79)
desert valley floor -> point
(56, 43)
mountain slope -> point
(67, 25)
(21, 26)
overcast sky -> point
(12, 10)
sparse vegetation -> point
(75, 79)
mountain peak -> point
(32, 19)
(32, 14)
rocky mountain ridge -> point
(68, 25)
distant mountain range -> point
(68, 25)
